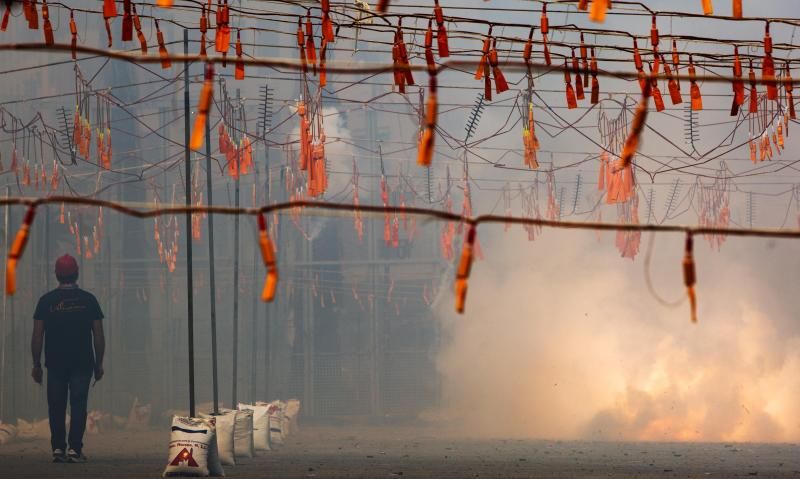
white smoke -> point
(562, 340)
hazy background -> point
(561, 338)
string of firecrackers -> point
(88, 251)
(222, 40)
(489, 60)
(18, 246)
(238, 153)
(28, 163)
(715, 207)
(571, 95)
(599, 8)
(312, 148)
(168, 231)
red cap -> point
(66, 266)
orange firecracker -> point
(109, 9)
(789, 86)
(598, 10)
(737, 8)
(162, 48)
(268, 257)
(464, 269)
(223, 35)
(595, 82)
(323, 73)
(694, 91)
(634, 137)
(203, 30)
(301, 44)
(311, 51)
(137, 25)
(690, 276)
(428, 43)
(500, 83)
(48, 27)
(204, 104)
(654, 34)
(6, 16)
(572, 102)
(753, 90)
(544, 22)
(768, 67)
(676, 62)
(441, 31)
(73, 30)
(526, 53)
(327, 25)
(544, 25)
(738, 84)
(239, 68)
(425, 147)
(108, 32)
(17, 249)
(578, 83)
(127, 21)
(637, 62)
(655, 92)
(672, 85)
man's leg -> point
(78, 398)
(57, 383)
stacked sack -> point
(7, 433)
(199, 447)
(292, 411)
(193, 450)
(261, 438)
(225, 425)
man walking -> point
(68, 321)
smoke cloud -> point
(561, 339)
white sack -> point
(193, 448)
(7, 433)
(243, 434)
(226, 422)
(260, 425)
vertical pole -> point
(12, 358)
(375, 357)
(109, 326)
(211, 274)
(47, 248)
(188, 180)
(268, 355)
(236, 282)
(309, 367)
(254, 294)
(5, 318)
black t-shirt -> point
(68, 314)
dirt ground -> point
(341, 452)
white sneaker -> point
(75, 456)
(59, 455)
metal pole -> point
(212, 277)
(5, 316)
(254, 330)
(188, 180)
(236, 283)
(268, 355)
(47, 248)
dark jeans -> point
(63, 383)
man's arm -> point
(37, 341)
(99, 349)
